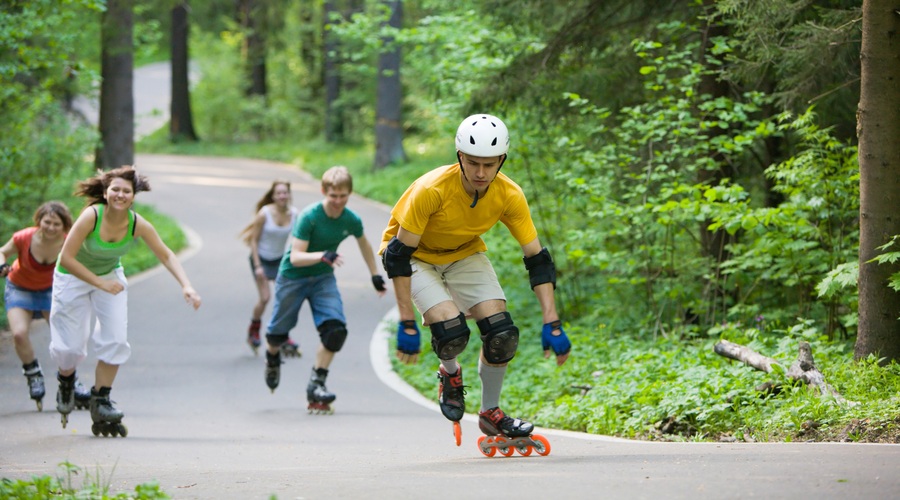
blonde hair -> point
(337, 177)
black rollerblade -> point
(36, 387)
(106, 417)
(452, 399)
(273, 370)
(65, 397)
(291, 349)
(253, 336)
(317, 395)
(82, 396)
(506, 435)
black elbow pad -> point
(395, 258)
(541, 268)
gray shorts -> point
(466, 282)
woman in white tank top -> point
(267, 235)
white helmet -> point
(482, 135)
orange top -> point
(26, 271)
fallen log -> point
(803, 369)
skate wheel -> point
(503, 447)
(123, 431)
(40, 405)
(541, 445)
(485, 448)
(95, 428)
(457, 433)
(524, 449)
(64, 419)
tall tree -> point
(878, 130)
(116, 146)
(388, 111)
(251, 16)
(334, 121)
(181, 122)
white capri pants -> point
(75, 309)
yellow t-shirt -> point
(437, 207)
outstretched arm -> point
(369, 256)
(7, 251)
(145, 230)
(403, 294)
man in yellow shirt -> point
(433, 251)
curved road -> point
(204, 425)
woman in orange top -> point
(29, 283)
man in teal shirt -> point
(307, 274)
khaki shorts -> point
(466, 282)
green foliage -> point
(94, 487)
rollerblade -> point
(36, 387)
(273, 370)
(65, 397)
(506, 435)
(291, 349)
(452, 399)
(82, 396)
(253, 336)
(106, 417)
(317, 395)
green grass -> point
(93, 486)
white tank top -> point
(273, 239)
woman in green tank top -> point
(89, 282)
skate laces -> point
(452, 388)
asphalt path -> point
(204, 425)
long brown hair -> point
(94, 188)
(54, 207)
(267, 198)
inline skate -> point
(317, 395)
(452, 399)
(35, 379)
(273, 370)
(107, 419)
(506, 435)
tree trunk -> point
(181, 123)
(253, 50)
(388, 110)
(714, 244)
(878, 130)
(334, 121)
(116, 121)
(310, 48)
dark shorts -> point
(270, 267)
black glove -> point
(378, 281)
(329, 256)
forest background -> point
(691, 165)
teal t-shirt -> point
(323, 233)
(99, 256)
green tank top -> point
(102, 257)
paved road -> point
(204, 425)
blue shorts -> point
(322, 293)
(270, 267)
(30, 300)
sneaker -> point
(494, 422)
(451, 394)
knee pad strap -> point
(449, 338)
(499, 338)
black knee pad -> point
(449, 338)
(499, 338)
(333, 333)
(276, 339)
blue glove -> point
(406, 343)
(560, 343)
